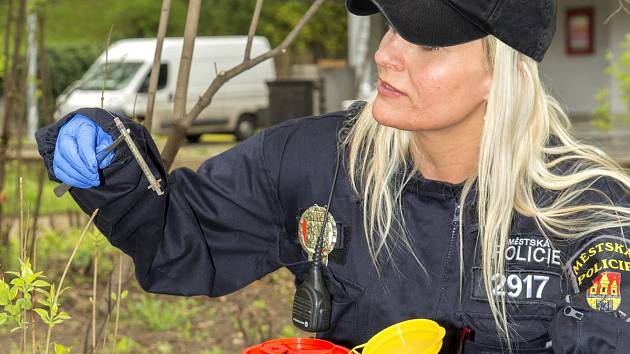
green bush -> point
(68, 62)
(619, 68)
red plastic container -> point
(296, 346)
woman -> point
(535, 262)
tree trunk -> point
(47, 109)
(10, 93)
(157, 58)
(178, 130)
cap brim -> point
(424, 22)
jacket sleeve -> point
(593, 316)
(212, 232)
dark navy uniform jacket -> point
(234, 220)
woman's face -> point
(424, 88)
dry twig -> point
(621, 7)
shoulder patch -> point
(600, 272)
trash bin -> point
(289, 99)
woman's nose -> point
(389, 51)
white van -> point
(236, 108)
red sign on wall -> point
(579, 31)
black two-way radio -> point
(311, 303)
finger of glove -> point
(69, 176)
(86, 145)
(71, 162)
(104, 140)
(107, 160)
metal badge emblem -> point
(310, 227)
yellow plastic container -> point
(418, 336)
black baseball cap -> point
(525, 25)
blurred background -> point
(52, 61)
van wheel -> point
(245, 127)
(193, 138)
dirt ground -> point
(228, 324)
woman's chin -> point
(388, 115)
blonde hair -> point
(515, 158)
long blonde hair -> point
(515, 157)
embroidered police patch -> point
(598, 271)
(533, 273)
(605, 294)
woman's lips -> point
(387, 90)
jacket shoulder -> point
(311, 134)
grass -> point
(30, 175)
(155, 314)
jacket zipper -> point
(455, 223)
(571, 312)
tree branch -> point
(155, 70)
(181, 89)
(621, 7)
(181, 124)
(252, 30)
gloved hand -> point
(78, 143)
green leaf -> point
(124, 294)
(12, 309)
(3, 318)
(64, 316)
(43, 314)
(41, 291)
(29, 278)
(63, 290)
(4, 295)
(18, 282)
(60, 349)
(24, 304)
(13, 292)
(40, 283)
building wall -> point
(574, 80)
(619, 29)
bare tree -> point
(183, 76)
(157, 58)
(11, 88)
(181, 121)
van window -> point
(162, 79)
(118, 75)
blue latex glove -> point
(78, 143)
